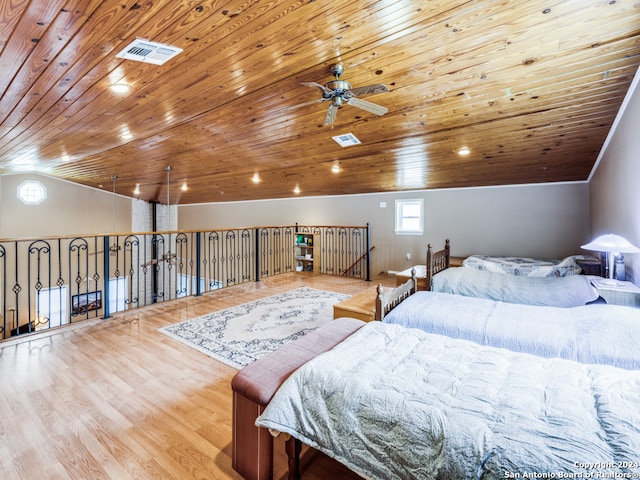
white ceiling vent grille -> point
(346, 140)
(149, 52)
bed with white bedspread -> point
(560, 291)
(570, 291)
(397, 403)
(599, 333)
(525, 266)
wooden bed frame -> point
(387, 301)
(436, 262)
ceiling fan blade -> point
(369, 90)
(331, 114)
(303, 104)
(310, 102)
(368, 106)
(325, 91)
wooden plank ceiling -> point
(530, 87)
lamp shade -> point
(611, 243)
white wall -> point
(69, 209)
(615, 184)
(549, 221)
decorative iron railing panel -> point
(51, 282)
(344, 250)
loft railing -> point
(342, 250)
(55, 281)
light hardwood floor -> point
(116, 399)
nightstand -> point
(361, 305)
(618, 292)
(456, 261)
(421, 275)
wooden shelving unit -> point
(307, 253)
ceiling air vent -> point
(346, 140)
(149, 52)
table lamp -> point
(611, 244)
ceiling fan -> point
(340, 92)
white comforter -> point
(570, 291)
(599, 333)
(397, 403)
(530, 267)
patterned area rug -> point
(240, 335)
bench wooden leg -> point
(293, 447)
(252, 446)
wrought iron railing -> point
(51, 282)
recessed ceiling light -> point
(336, 168)
(296, 189)
(136, 191)
(119, 87)
(256, 178)
(464, 151)
(184, 187)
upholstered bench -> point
(254, 386)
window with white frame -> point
(409, 217)
(32, 192)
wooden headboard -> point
(387, 301)
(437, 261)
